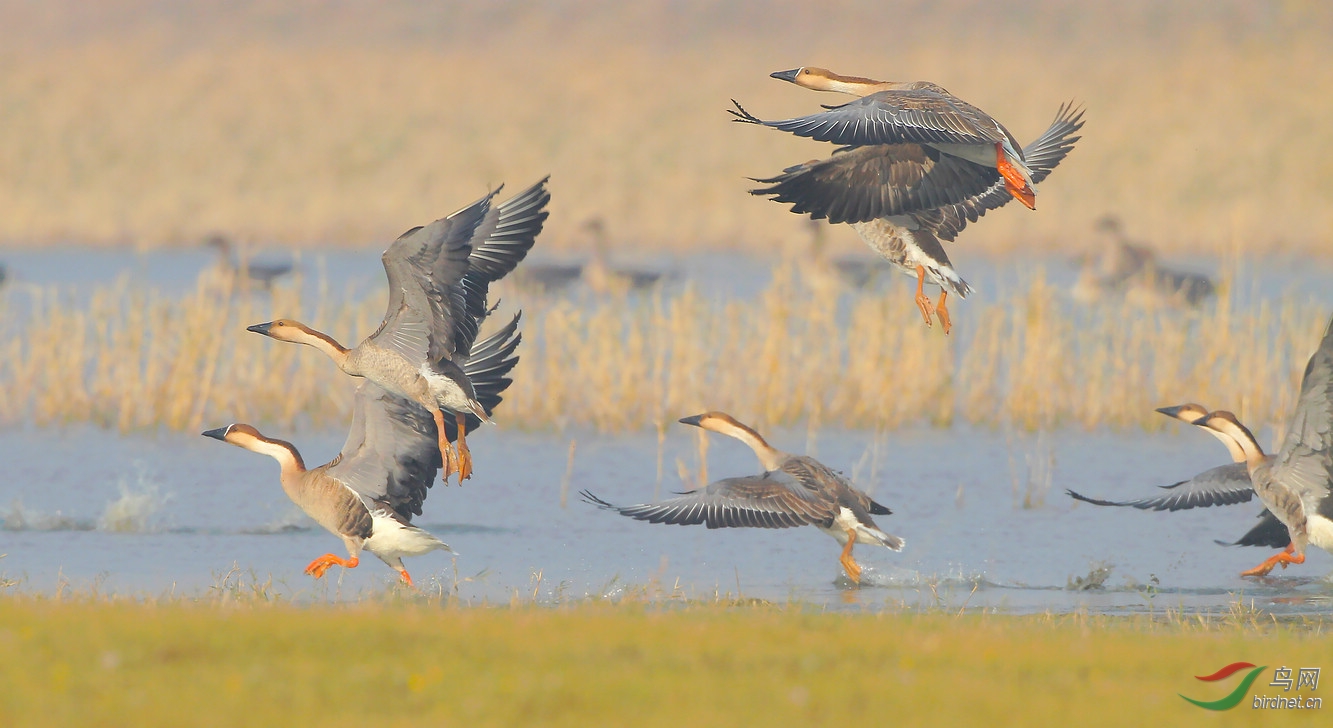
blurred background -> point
(152, 123)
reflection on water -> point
(978, 535)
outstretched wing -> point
(864, 183)
(423, 265)
(1305, 462)
(1221, 486)
(499, 243)
(391, 453)
(770, 500)
(922, 115)
(1042, 156)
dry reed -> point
(132, 360)
(271, 121)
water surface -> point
(984, 514)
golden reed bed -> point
(346, 123)
(133, 360)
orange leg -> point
(1013, 179)
(447, 457)
(406, 579)
(1284, 558)
(322, 564)
(464, 454)
(922, 302)
(848, 563)
(943, 312)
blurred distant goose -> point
(368, 494)
(793, 490)
(1129, 268)
(438, 279)
(915, 166)
(245, 273)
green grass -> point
(100, 662)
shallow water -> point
(205, 508)
(358, 273)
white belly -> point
(1321, 532)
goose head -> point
(822, 79)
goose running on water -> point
(368, 494)
(1223, 485)
(914, 166)
(793, 490)
(438, 275)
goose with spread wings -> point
(438, 275)
(1296, 483)
(915, 165)
(368, 494)
(1223, 485)
(793, 490)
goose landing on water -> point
(438, 280)
(915, 165)
(368, 494)
(1295, 485)
(794, 490)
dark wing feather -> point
(1221, 486)
(491, 360)
(865, 183)
(1042, 156)
(921, 115)
(770, 500)
(501, 241)
(423, 265)
(1268, 532)
(391, 454)
(1305, 462)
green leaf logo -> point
(1235, 696)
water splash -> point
(134, 510)
(21, 518)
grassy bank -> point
(176, 663)
(130, 359)
(349, 122)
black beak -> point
(788, 76)
(1174, 413)
(694, 420)
(260, 329)
(218, 434)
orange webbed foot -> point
(1282, 559)
(322, 564)
(943, 313)
(922, 302)
(407, 579)
(848, 563)
(448, 460)
(464, 454)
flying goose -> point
(912, 172)
(368, 494)
(438, 278)
(793, 490)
